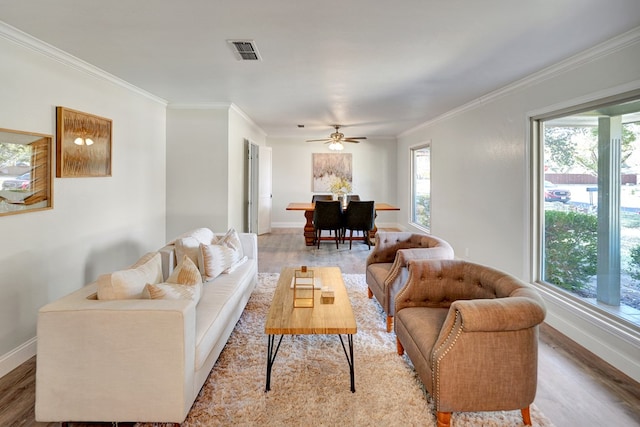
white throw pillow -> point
(189, 245)
(203, 235)
(214, 259)
(129, 283)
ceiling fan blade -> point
(319, 140)
(355, 141)
(355, 137)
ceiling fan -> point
(336, 139)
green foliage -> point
(560, 150)
(564, 153)
(634, 262)
(571, 240)
(423, 210)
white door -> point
(265, 197)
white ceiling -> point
(377, 67)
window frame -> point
(617, 325)
(412, 179)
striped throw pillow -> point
(214, 259)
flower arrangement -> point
(340, 186)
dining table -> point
(309, 231)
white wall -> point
(480, 176)
(206, 166)
(197, 169)
(97, 224)
(374, 176)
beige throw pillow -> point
(129, 283)
(186, 273)
(173, 291)
(214, 259)
(232, 240)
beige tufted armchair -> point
(471, 333)
(387, 264)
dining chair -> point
(327, 215)
(351, 197)
(359, 216)
(317, 197)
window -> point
(421, 186)
(589, 198)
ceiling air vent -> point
(245, 50)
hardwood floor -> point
(575, 388)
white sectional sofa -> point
(136, 359)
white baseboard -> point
(17, 356)
(287, 225)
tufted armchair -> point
(386, 270)
(471, 333)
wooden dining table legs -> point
(310, 233)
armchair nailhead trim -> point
(435, 364)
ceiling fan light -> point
(336, 146)
(78, 141)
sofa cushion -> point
(418, 330)
(185, 273)
(129, 283)
(379, 271)
(218, 307)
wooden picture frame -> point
(83, 147)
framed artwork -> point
(83, 146)
(328, 168)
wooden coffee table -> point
(337, 318)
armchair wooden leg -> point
(389, 323)
(369, 293)
(399, 347)
(526, 416)
(444, 419)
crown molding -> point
(592, 54)
(25, 40)
(200, 106)
(217, 106)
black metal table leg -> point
(350, 360)
(271, 357)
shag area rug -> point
(310, 377)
